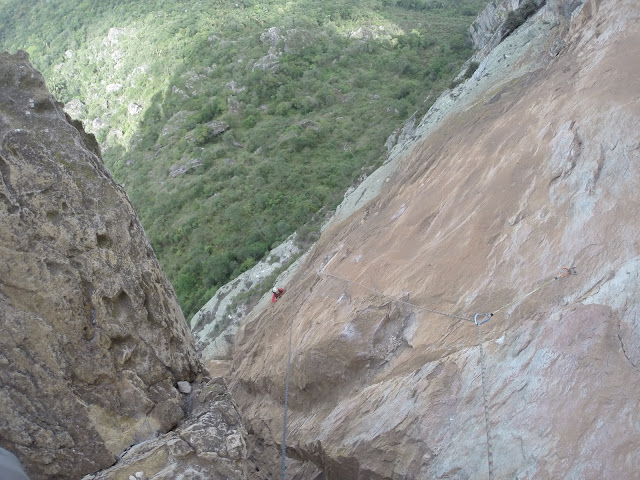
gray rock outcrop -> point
(271, 36)
(402, 134)
(214, 326)
(93, 340)
(486, 31)
(210, 444)
(175, 170)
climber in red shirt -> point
(277, 293)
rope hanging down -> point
(286, 400)
(485, 403)
(286, 388)
(564, 272)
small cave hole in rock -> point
(103, 241)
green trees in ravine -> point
(233, 123)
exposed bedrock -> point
(537, 173)
(93, 341)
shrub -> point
(517, 17)
(471, 69)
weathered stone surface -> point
(234, 106)
(371, 32)
(92, 333)
(235, 88)
(214, 326)
(536, 170)
(270, 62)
(486, 31)
(216, 127)
(210, 444)
(271, 36)
(184, 387)
(75, 108)
(295, 40)
(175, 170)
(402, 134)
(134, 108)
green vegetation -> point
(471, 69)
(517, 17)
(272, 108)
(249, 298)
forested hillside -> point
(232, 124)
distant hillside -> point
(233, 123)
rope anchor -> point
(481, 318)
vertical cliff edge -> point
(93, 341)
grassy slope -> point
(307, 130)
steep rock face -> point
(486, 31)
(209, 444)
(93, 340)
(540, 173)
(214, 326)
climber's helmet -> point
(275, 290)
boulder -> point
(175, 170)
(184, 387)
(271, 36)
(134, 109)
(216, 127)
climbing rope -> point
(286, 388)
(564, 272)
(378, 292)
(479, 319)
(286, 399)
(483, 370)
(484, 318)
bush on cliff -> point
(517, 17)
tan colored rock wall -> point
(93, 340)
(541, 173)
(209, 444)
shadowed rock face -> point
(209, 444)
(93, 340)
(538, 173)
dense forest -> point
(233, 123)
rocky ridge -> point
(519, 173)
(215, 325)
(94, 343)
